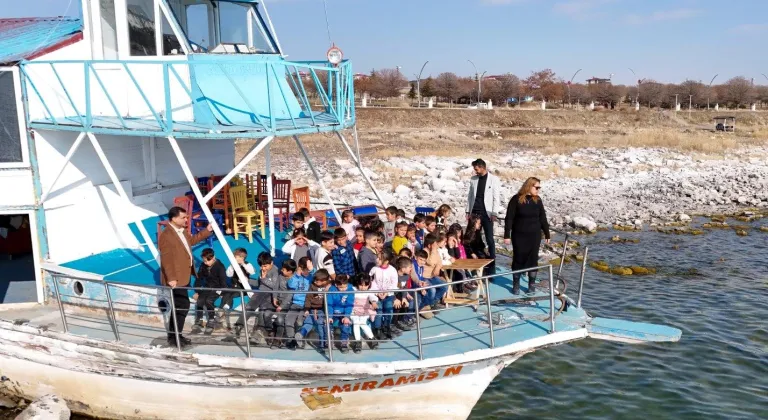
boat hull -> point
(448, 393)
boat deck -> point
(132, 126)
(452, 331)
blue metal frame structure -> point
(285, 91)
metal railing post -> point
(418, 324)
(562, 257)
(328, 329)
(173, 320)
(551, 301)
(61, 304)
(581, 279)
(112, 318)
(245, 324)
(490, 314)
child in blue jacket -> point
(341, 305)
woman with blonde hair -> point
(526, 219)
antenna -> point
(327, 25)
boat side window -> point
(12, 144)
(141, 27)
(108, 29)
(198, 28)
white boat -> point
(116, 114)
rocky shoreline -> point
(587, 188)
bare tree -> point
(605, 93)
(652, 93)
(447, 86)
(544, 85)
(693, 92)
(428, 88)
(388, 83)
(737, 92)
(501, 89)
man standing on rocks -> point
(484, 200)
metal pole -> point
(418, 325)
(67, 158)
(255, 150)
(418, 82)
(270, 200)
(490, 314)
(709, 89)
(207, 211)
(121, 191)
(359, 164)
(245, 326)
(562, 258)
(551, 301)
(112, 318)
(327, 327)
(173, 320)
(477, 74)
(581, 279)
(317, 177)
(61, 305)
(569, 86)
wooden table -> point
(475, 268)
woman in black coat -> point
(525, 221)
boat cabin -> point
(117, 115)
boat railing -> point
(202, 97)
(165, 302)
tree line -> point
(737, 92)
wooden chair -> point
(320, 217)
(301, 198)
(220, 201)
(202, 183)
(244, 220)
(281, 200)
(260, 193)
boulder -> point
(682, 217)
(402, 190)
(47, 407)
(442, 185)
(584, 224)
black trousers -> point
(179, 313)
(487, 225)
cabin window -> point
(197, 27)
(12, 143)
(171, 44)
(108, 28)
(234, 23)
(141, 27)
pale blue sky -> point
(667, 40)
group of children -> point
(367, 264)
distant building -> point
(597, 81)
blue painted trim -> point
(200, 135)
(264, 26)
(168, 106)
(27, 79)
(88, 113)
(109, 98)
(269, 98)
(282, 94)
(66, 92)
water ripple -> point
(714, 287)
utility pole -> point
(479, 81)
(637, 98)
(569, 88)
(690, 102)
(418, 82)
(709, 89)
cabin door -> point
(20, 279)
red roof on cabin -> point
(28, 38)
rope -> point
(327, 25)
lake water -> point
(713, 287)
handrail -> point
(169, 293)
(287, 107)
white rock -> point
(448, 174)
(585, 224)
(402, 190)
(442, 185)
(47, 407)
(682, 217)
